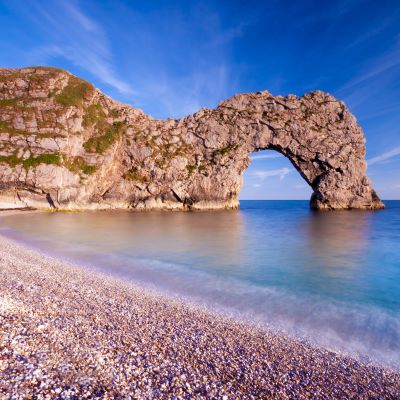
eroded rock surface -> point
(64, 144)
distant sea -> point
(331, 278)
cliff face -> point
(64, 144)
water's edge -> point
(362, 332)
(229, 315)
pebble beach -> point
(68, 332)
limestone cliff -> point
(64, 144)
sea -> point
(328, 278)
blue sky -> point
(171, 58)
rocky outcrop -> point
(64, 144)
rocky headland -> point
(66, 145)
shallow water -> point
(332, 278)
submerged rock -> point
(64, 144)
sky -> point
(170, 58)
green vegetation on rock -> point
(32, 161)
(78, 165)
(202, 168)
(99, 144)
(11, 160)
(48, 158)
(224, 150)
(115, 113)
(94, 116)
(4, 125)
(52, 71)
(169, 150)
(191, 168)
(74, 93)
(134, 175)
(8, 102)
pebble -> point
(73, 333)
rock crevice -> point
(62, 139)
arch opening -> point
(272, 176)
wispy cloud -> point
(282, 172)
(371, 93)
(384, 157)
(386, 64)
(301, 186)
(263, 156)
(76, 37)
(228, 35)
(197, 70)
(372, 32)
(385, 109)
(183, 95)
(171, 60)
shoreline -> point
(71, 332)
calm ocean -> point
(332, 278)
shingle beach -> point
(68, 332)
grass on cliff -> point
(202, 168)
(224, 150)
(42, 159)
(48, 158)
(4, 125)
(99, 144)
(74, 93)
(191, 168)
(94, 116)
(76, 165)
(134, 175)
(8, 102)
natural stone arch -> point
(316, 132)
(64, 144)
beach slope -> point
(69, 332)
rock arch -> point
(62, 139)
(316, 132)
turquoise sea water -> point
(332, 278)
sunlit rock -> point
(64, 144)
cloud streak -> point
(76, 38)
(387, 65)
(385, 156)
(183, 95)
(282, 172)
(263, 156)
(161, 52)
